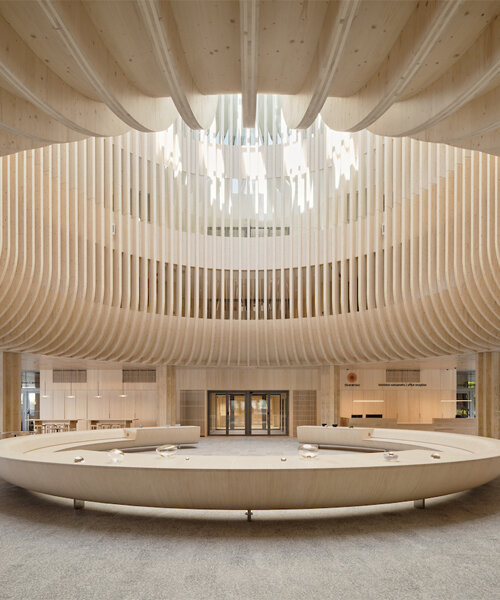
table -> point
(53, 425)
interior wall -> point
(488, 394)
(304, 409)
(193, 408)
(140, 403)
(433, 398)
(235, 379)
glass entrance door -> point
(248, 413)
(30, 408)
(218, 414)
(259, 418)
(30, 398)
(237, 414)
(278, 413)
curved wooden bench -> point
(46, 464)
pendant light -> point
(98, 395)
(45, 395)
(71, 395)
(123, 394)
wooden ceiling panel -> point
(401, 68)
(374, 31)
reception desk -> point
(110, 423)
(453, 425)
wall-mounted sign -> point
(352, 378)
(402, 385)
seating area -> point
(421, 465)
(59, 425)
(54, 425)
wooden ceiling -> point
(70, 70)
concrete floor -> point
(449, 551)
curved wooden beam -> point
(301, 109)
(419, 36)
(81, 68)
(31, 79)
(20, 117)
(196, 110)
(249, 26)
(489, 142)
(76, 32)
(477, 118)
(11, 142)
(465, 81)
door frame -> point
(248, 410)
(26, 416)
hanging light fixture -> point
(44, 395)
(123, 394)
(98, 395)
(71, 395)
(369, 401)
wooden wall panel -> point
(488, 394)
(406, 404)
(193, 409)
(140, 401)
(304, 409)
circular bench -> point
(45, 463)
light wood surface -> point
(103, 423)
(45, 464)
(408, 271)
(488, 394)
(76, 69)
(10, 380)
(465, 426)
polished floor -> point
(451, 550)
(247, 445)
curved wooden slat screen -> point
(216, 248)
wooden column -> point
(488, 394)
(10, 391)
(329, 395)
(336, 395)
(1, 392)
(167, 396)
